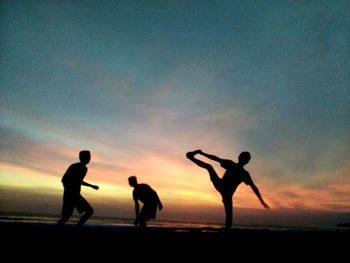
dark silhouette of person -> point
(72, 181)
(150, 199)
(234, 175)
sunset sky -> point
(140, 83)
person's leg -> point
(228, 211)
(84, 206)
(143, 216)
(213, 175)
(67, 209)
(66, 214)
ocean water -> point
(106, 221)
(128, 222)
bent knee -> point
(210, 169)
(90, 211)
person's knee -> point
(214, 176)
(90, 211)
(210, 169)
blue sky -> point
(141, 83)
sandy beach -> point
(31, 240)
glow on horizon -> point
(184, 185)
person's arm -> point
(160, 205)
(256, 191)
(90, 185)
(212, 157)
(137, 212)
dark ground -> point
(46, 242)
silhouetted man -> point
(235, 174)
(72, 181)
(149, 198)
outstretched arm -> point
(210, 156)
(256, 191)
(90, 185)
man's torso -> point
(74, 176)
(234, 175)
(144, 193)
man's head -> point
(244, 158)
(85, 157)
(132, 181)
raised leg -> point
(216, 180)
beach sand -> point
(106, 243)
